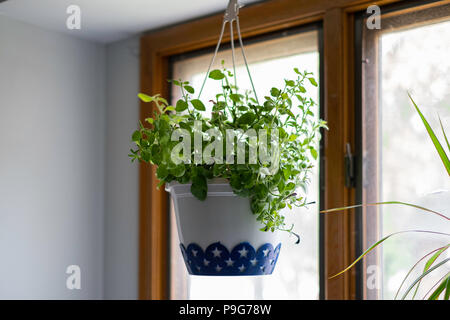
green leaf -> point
(268, 106)
(161, 172)
(136, 136)
(313, 82)
(178, 171)
(247, 118)
(185, 126)
(386, 202)
(286, 173)
(146, 156)
(175, 82)
(292, 137)
(376, 244)
(198, 105)
(220, 105)
(274, 92)
(413, 267)
(199, 187)
(189, 89)
(290, 186)
(297, 71)
(261, 191)
(150, 120)
(169, 108)
(447, 289)
(434, 139)
(145, 98)
(236, 98)
(422, 276)
(444, 285)
(164, 101)
(235, 182)
(429, 263)
(181, 105)
(445, 136)
(216, 75)
(433, 258)
(290, 83)
(313, 153)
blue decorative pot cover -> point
(216, 260)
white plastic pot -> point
(220, 235)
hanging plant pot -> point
(222, 201)
(220, 236)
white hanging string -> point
(213, 58)
(245, 58)
(231, 15)
(232, 54)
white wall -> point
(121, 215)
(52, 155)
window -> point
(409, 54)
(296, 275)
(371, 93)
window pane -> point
(413, 60)
(296, 275)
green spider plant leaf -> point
(445, 136)
(444, 285)
(447, 289)
(418, 279)
(414, 266)
(429, 263)
(382, 203)
(376, 244)
(437, 144)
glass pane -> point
(296, 275)
(414, 60)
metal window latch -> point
(350, 181)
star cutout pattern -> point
(243, 259)
(217, 252)
(243, 252)
(229, 262)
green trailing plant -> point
(443, 285)
(289, 110)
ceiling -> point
(111, 20)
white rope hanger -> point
(231, 14)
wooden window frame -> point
(412, 14)
(337, 18)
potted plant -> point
(232, 170)
(431, 260)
